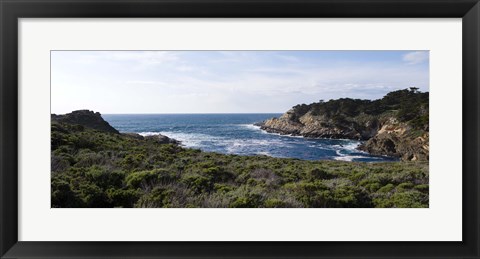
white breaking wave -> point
(188, 139)
(346, 150)
(350, 158)
(239, 145)
(149, 133)
(250, 126)
(265, 153)
(347, 158)
(352, 146)
(281, 135)
(257, 128)
(349, 146)
(199, 140)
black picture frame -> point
(12, 10)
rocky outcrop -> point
(94, 120)
(396, 125)
(398, 140)
(161, 139)
(321, 126)
(383, 136)
(85, 118)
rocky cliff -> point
(321, 126)
(396, 125)
(94, 120)
(398, 140)
(159, 138)
(85, 118)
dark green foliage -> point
(317, 173)
(136, 179)
(387, 188)
(157, 198)
(250, 200)
(275, 203)
(300, 110)
(407, 199)
(122, 198)
(85, 118)
(91, 168)
(408, 105)
(62, 194)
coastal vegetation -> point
(93, 165)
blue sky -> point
(226, 81)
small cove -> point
(236, 134)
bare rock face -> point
(87, 119)
(398, 144)
(318, 126)
(384, 136)
(381, 129)
(161, 139)
(158, 138)
(399, 140)
(283, 125)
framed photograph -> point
(226, 129)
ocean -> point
(236, 134)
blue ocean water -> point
(236, 134)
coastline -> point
(357, 148)
(394, 126)
(239, 136)
(100, 168)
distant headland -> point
(396, 125)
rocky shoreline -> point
(384, 133)
(389, 138)
(93, 166)
(94, 120)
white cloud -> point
(288, 58)
(416, 57)
(232, 81)
(146, 83)
(144, 58)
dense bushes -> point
(98, 169)
(408, 105)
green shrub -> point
(250, 201)
(198, 183)
(387, 188)
(93, 196)
(136, 179)
(317, 173)
(122, 198)
(422, 188)
(157, 198)
(222, 188)
(132, 161)
(63, 196)
(372, 187)
(404, 186)
(275, 203)
(104, 177)
(411, 199)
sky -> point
(132, 82)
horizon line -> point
(182, 113)
(187, 113)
